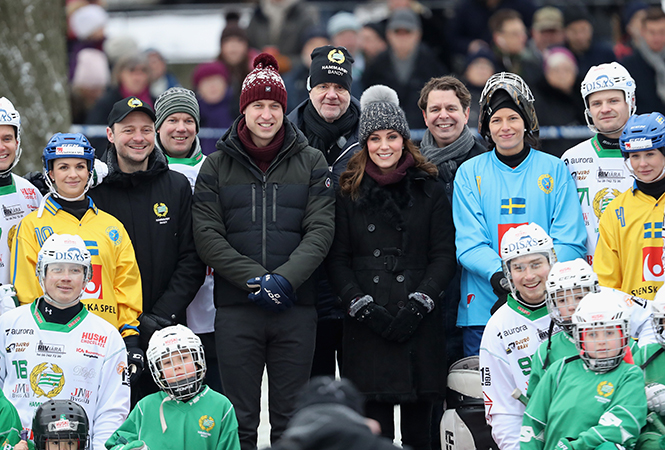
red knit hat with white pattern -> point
(263, 83)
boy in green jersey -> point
(185, 413)
(594, 399)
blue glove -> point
(273, 292)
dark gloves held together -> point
(408, 318)
(148, 324)
(272, 292)
(376, 317)
(135, 358)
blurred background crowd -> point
(143, 47)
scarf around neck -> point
(384, 179)
(262, 156)
(323, 135)
(448, 158)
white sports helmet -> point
(9, 116)
(63, 248)
(164, 346)
(596, 312)
(658, 316)
(605, 77)
(525, 240)
(563, 280)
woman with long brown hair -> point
(392, 257)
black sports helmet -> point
(62, 420)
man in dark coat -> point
(448, 142)
(329, 121)
(154, 204)
(406, 65)
(264, 220)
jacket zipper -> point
(264, 227)
(253, 202)
(274, 202)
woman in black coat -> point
(393, 254)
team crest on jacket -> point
(114, 234)
(604, 389)
(206, 423)
(602, 199)
(546, 183)
(161, 211)
(47, 380)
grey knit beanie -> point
(379, 110)
(177, 100)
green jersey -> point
(588, 408)
(562, 346)
(654, 372)
(10, 424)
(206, 422)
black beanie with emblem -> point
(331, 65)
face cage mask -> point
(569, 294)
(599, 363)
(82, 443)
(190, 384)
(658, 323)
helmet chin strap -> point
(626, 162)
(59, 305)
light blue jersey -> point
(489, 198)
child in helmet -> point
(54, 348)
(567, 284)
(114, 293)
(630, 246)
(593, 399)
(512, 184)
(186, 413)
(515, 330)
(61, 425)
(18, 194)
(651, 359)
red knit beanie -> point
(263, 83)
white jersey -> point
(83, 361)
(510, 339)
(600, 175)
(201, 312)
(18, 200)
(641, 327)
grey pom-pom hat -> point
(379, 110)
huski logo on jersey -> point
(12, 211)
(47, 380)
(53, 350)
(652, 264)
(29, 193)
(94, 339)
(514, 205)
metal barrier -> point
(578, 132)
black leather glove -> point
(499, 303)
(500, 284)
(376, 317)
(37, 180)
(405, 324)
(135, 358)
(148, 324)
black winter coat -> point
(392, 241)
(155, 206)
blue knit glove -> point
(272, 292)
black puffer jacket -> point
(248, 223)
(155, 207)
(393, 241)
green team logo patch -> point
(605, 389)
(206, 423)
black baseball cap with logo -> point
(127, 105)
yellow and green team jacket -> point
(205, 422)
(585, 407)
(630, 246)
(114, 292)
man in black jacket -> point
(154, 204)
(264, 220)
(329, 120)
